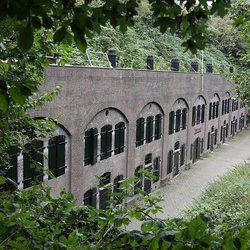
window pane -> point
(178, 120)
(149, 129)
(184, 119)
(203, 113)
(119, 137)
(193, 115)
(106, 141)
(171, 123)
(139, 132)
(158, 119)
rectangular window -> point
(170, 162)
(210, 111)
(89, 198)
(198, 120)
(208, 140)
(217, 109)
(157, 169)
(182, 160)
(222, 107)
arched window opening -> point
(106, 142)
(158, 119)
(89, 198)
(119, 137)
(104, 192)
(91, 140)
(171, 123)
(140, 132)
(56, 157)
(33, 163)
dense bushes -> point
(32, 219)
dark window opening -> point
(157, 169)
(138, 182)
(170, 162)
(119, 137)
(178, 121)
(193, 115)
(184, 119)
(139, 132)
(202, 113)
(198, 114)
(182, 156)
(158, 119)
(171, 123)
(149, 129)
(89, 198)
(91, 140)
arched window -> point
(171, 123)
(91, 140)
(149, 129)
(198, 120)
(193, 115)
(138, 182)
(89, 198)
(184, 119)
(56, 157)
(158, 119)
(119, 137)
(202, 113)
(106, 141)
(157, 169)
(178, 120)
(170, 162)
(139, 132)
(33, 163)
(104, 192)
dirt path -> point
(180, 193)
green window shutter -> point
(106, 141)
(171, 123)
(210, 111)
(198, 120)
(170, 162)
(158, 119)
(38, 158)
(202, 113)
(149, 129)
(87, 147)
(184, 119)
(52, 156)
(217, 109)
(193, 115)
(27, 170)
(178, 120)
(60, 155)
(119, 137)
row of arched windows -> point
(108, 147)
(149, 130)
(33, 161)
(177, 121)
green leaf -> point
(4, 102)
(80, 42)
(59, 35)
(2, 180)
(47, 22)
(16, 95)
(25, 39)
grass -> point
(227, 200)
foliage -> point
(227, 201)
(32, 219)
